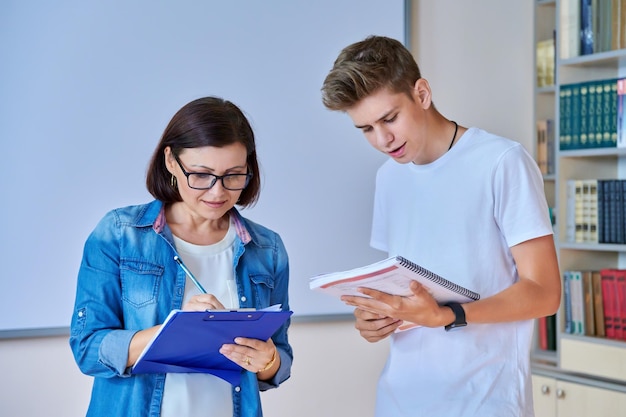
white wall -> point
(478, 57)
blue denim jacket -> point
(128, 281)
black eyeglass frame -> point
(248, 176)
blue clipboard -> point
(189, 341)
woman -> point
(128, 282)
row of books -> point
(545, 146)
(594, 303)
(545, 64)
(592, 115)
(591, 26)
(596, 211)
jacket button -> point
(243, 298)
(237, 389)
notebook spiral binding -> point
(438, 279)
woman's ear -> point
(168, 156)
(422, 93)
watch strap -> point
(459, 316)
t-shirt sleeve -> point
(521, 210)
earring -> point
(174, 182)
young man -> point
(469, 206)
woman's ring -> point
(248, 360)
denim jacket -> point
(128, 281)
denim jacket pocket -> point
(140, 281)
(263, 285)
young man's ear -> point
(422, 93)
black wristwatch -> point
(459, 317)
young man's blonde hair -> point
(365, 67)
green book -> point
(599, 113)
(565, 112)
(591, 115)
(581, 115)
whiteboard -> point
(87, 88)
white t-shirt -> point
(204, 395)
(458, 216)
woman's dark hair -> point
(207, 121)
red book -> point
(621, 303)
(610, 300)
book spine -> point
(620, 304)
(615, 24)
(600, 210)
(622, 34)
(608, 296)
(619, 212)
(621, 113)
(606, 210)
(597, 133)
(582, 115)
(613, 113)
(579, 211)
(565, 117)
(598, 303)
(550, 145)
(551, 331)
(570, 223)
(586, 27)
(569, 28)
(589, 312)
(577, 141)
(542, 146)
(578, 318)
(612, 210)
(542, 330)
(609, 99)
(567, 303)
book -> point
(189, 341)
(393, 276)
(568, 322)
(620, 305)
(550, 145)
(609, 302)
(569, 28)
(577, 302)
(542, 332)
(586, 28)
(570, 220)
(589, 311)
(551, 331)
(621, 113)
(598, 303)
(542, 146)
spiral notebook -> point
(393, 276)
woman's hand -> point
(254, 355)
(203, 302)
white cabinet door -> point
(544, 394)
(576, 400)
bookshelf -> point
(544, 111)
(583, 366)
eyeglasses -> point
(206, 181)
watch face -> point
(455, 326)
